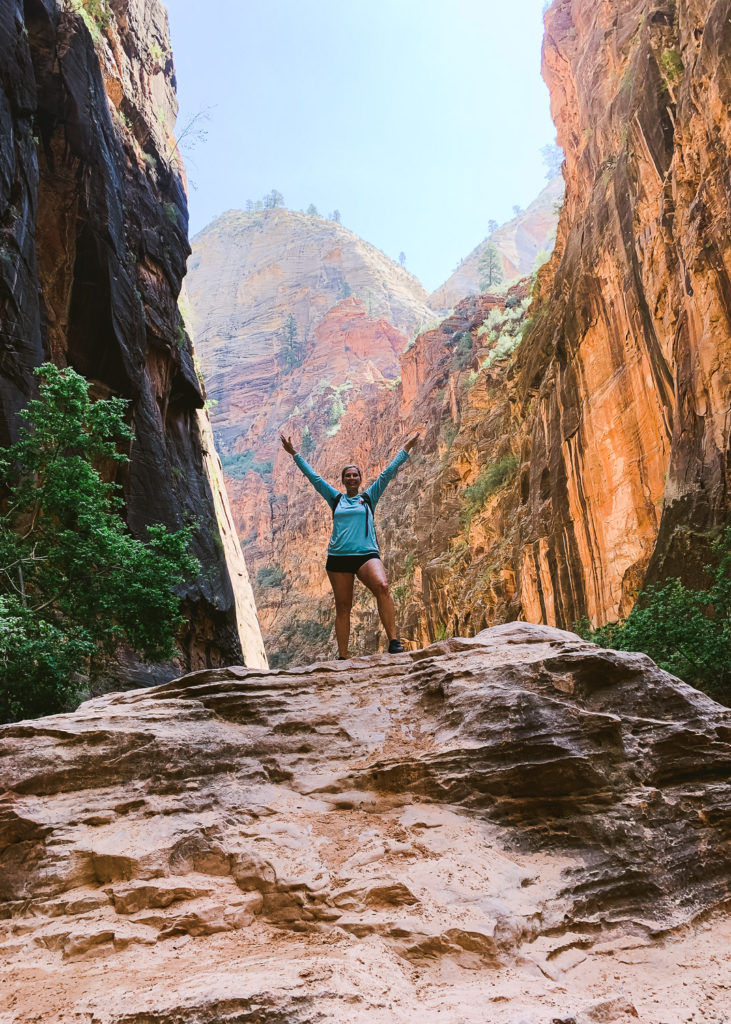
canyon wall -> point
(626, 378)
(93, 246)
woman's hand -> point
(287, 444)
(411, 440)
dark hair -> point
(342, 474)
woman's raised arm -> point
(322, 487)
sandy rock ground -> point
(518, 828)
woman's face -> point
(351, 479)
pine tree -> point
(490, 267)
(552, 156)
(307, 445)
(291, 352)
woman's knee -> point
(343, 607)
(381, 588)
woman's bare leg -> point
(373, 575)
(342, 584)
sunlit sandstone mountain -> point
(521, 242)
(260, 285)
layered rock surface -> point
(520, 826)
(93, 244)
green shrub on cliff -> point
(96, 15)
(74, 584)
(238, 464)
(270, 576)
(490, 478)
(687, 632)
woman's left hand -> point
(411, 440)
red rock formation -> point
(93, 244)
(627, 376)
(521, 820)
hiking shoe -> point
(396, 647)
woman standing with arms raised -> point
(353, 548)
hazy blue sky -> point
(418, 119)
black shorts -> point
(347, 563)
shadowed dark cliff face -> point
(93, 244)
(627, 373)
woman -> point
(353, 549)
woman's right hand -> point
(287, 444)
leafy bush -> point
(450, 431)
(687, 632)
(491, 477)
(672, 65)
(506, 344)
(96, 15)
(271, 576)
(308, 630)
(280, 659)
(74, 584)
(463, 351)
(238, 465)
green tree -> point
(490, 267)
(307, 445)
(687, 632)
(492, 226)
(337, 410)
(291, 352)
(402, 258)
(335, 215)
(74, 584)
(313, 211)
(273, 199)
(552, 156)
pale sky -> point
(420, 120)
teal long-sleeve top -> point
(353, 531)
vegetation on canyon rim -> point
(74, 584)
(687, 632)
